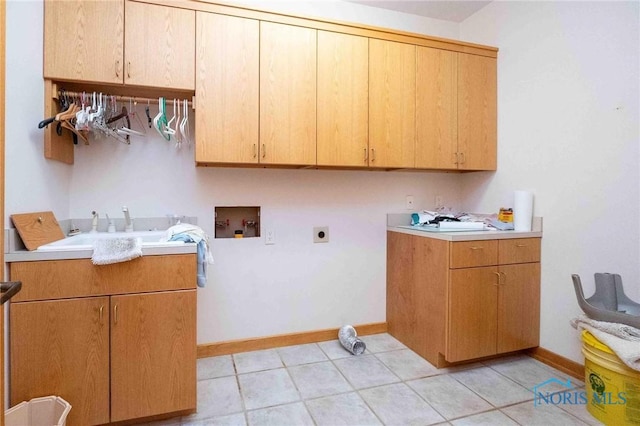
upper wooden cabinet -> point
(477, 112)
(227, 106)
(83, 40)
(287, 94)
(455, 111)
(119, 42)
(392, 93)
(343, 90)
(280, 90)
(436, 108)
(159, 46)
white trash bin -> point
(45, 411)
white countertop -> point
(402, 223)
(32, 256)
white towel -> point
(622, 339)
(114, 250)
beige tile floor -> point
(322, 384)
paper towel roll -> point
(522, 210)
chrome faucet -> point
(128, 223)
(94, 221)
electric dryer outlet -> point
(321, 234)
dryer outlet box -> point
(321, 234)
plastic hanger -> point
(160, 120)
(184, 125)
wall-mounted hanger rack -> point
(127, 98)
(61, 147)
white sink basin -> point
(85, 241)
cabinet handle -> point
(521, 245)
(366, 157)
(497, 274)
(455, 158)
(128, 69)
(475, 248)
(373, 154)
(255, 150)
(115, 314)
(101, 310)
(264, 151)
(462, 159)
(504, 278)
(118, 69)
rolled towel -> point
(114, 250)
(622, 339)
(349, 339)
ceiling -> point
(451, 10)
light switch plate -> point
(410, 201)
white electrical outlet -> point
(321, 234)
(410, 202)
(269, 237)
(439, 202)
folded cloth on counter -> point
(622, 339)
(114, 250)
(193, 234)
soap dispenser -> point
(111, 227)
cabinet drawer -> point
(520, 250)
(466, 254)
(62, 279)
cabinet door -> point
(392, 104)
(61, 348)
(159, 46)
(436, 108)
(473, 313)
(519, 307)
(83, 40)
(343, 87)
(287, 94)
(153, 354)
(227, 91)
(477, 112)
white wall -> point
(567, 130)
(344, 11)
(32, 183)
(253, 289)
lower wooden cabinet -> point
(153, 346)
(61, 347)
(113, 357)
(456, 301)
